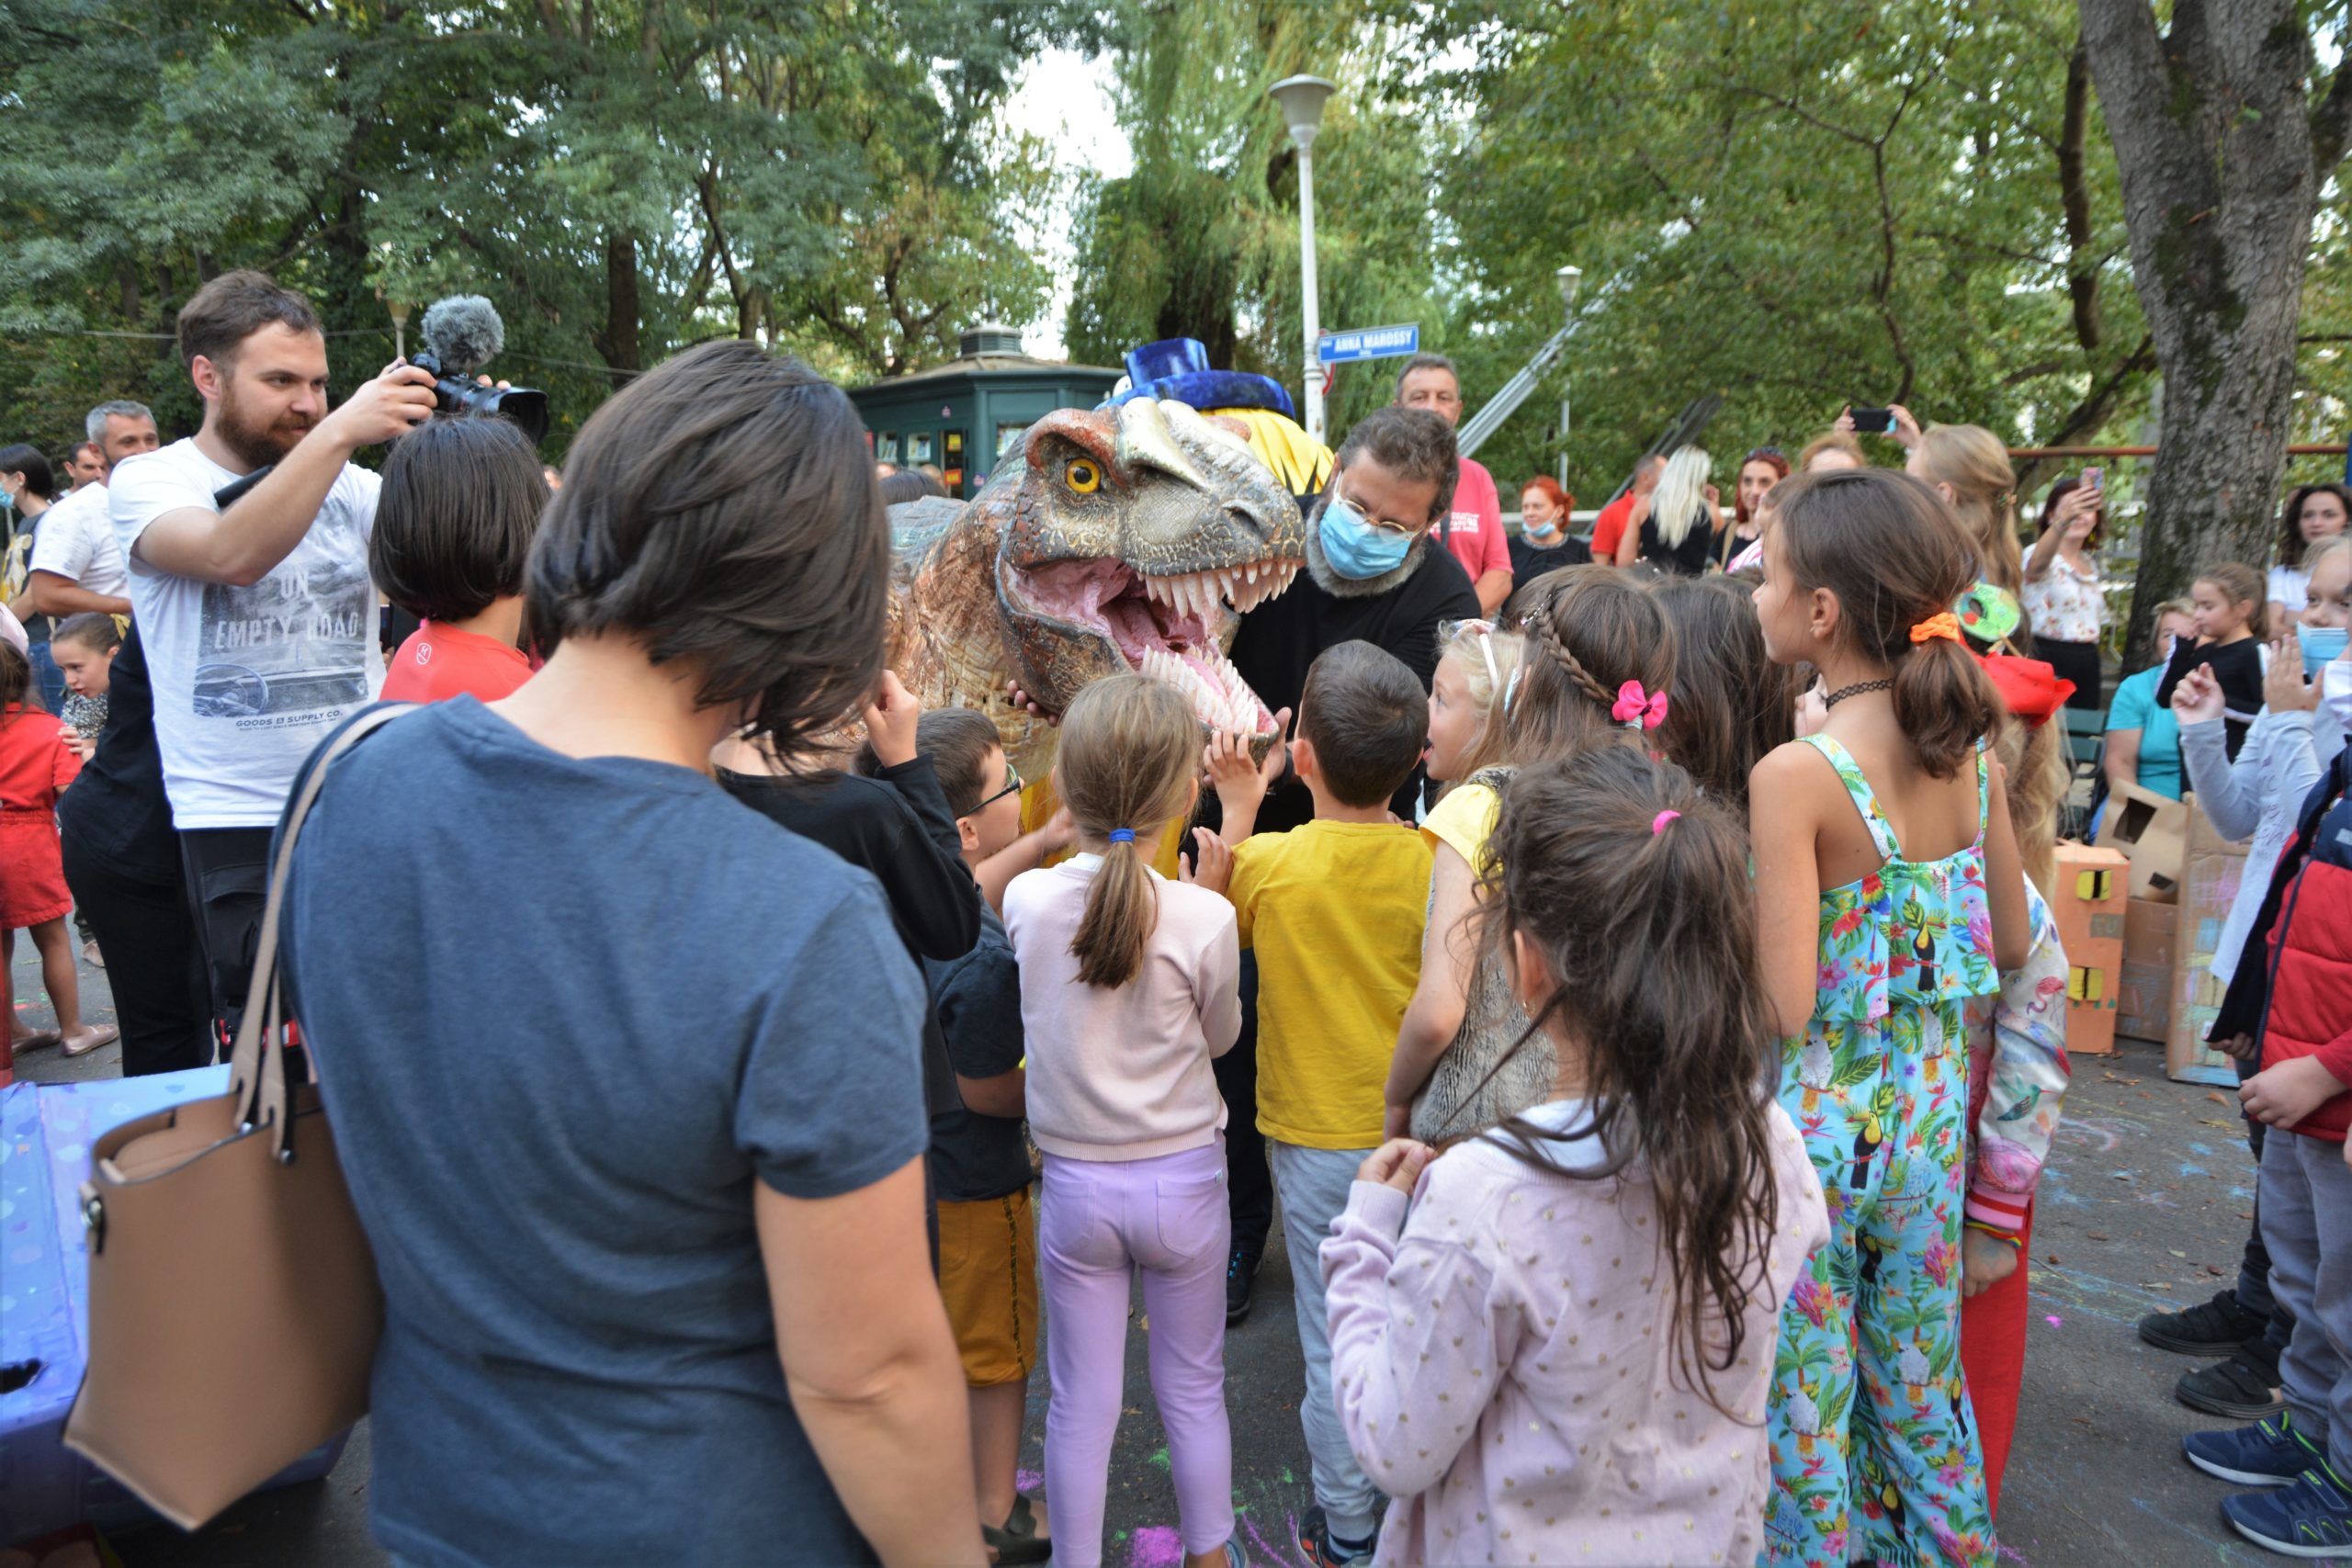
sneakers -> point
(1241, 1279)
(2209, 1328)
(2310, 1518)
(1315, 1541)
(2244, 1388)
(2269, 1454)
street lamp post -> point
(1301, 101)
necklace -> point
(1856, 690)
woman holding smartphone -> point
(2063, 602)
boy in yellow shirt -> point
(1334, 910)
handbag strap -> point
(257, 1064)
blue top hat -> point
(1178, 369)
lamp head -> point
(1301, 101)
(1569, 277)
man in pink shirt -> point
(1475, 531)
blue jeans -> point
(1312, 1187)
(48, 679)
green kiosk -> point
(964, 415)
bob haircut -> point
(722, 509)
(461, 500)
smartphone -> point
(1877, 422)
(2094, 478)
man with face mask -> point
(258, 619)
(1373, 573)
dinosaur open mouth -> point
(1169, 628)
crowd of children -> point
(1694, 1233)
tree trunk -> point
(618, 343)
(2218, 164)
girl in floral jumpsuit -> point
(1889, 893)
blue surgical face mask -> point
(1535, 530)
(2322, 647)
(1355, 549)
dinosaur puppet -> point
(1128, 538)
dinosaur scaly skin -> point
(1126, 539)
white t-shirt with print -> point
(248, 679)
(78, 543)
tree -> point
(1202, 239)
(620, 176)
(2224, 138)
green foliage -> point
(1202, 239)
(620, 176)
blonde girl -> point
(1474, 665)
(1128, 988)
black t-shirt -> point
(1280, 638)
(978, 997)
(117, 811)
(1688, 558)
(1529, 561)
(896, 825)
(2238, 667)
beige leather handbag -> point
(233, 1303)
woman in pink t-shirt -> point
(460, 502)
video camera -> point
(461, 335)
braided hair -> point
(1589, 629)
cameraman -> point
(258, 620)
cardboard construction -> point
(2209, 886)
(2153, 830)
(2089, 905)
(2151, 935)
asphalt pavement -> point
(2145, 1206)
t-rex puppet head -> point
(1128, 539)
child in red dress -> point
(36, 765)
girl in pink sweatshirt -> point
(1128, 988)
(1562, 1354)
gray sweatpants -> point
(2307, 1226)
(1312, 1187)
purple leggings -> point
(1097, 1223)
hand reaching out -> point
(890, 718)
(2283, 686)
(2198, 697)
(1907, 429)
(1213, 858)
(1022, 700)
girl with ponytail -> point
(1128, 988)
(1605, 1271)
(1889, 892)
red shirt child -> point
(440, 661)
(36, 765)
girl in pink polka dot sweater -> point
(1561, 1353)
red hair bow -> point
(1636, 709)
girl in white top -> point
(2295, 735)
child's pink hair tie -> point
(1636, 709)
(1658, 822)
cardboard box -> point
(2151, 935)
(2153, 830)
(2209, 886)
(2089, 907)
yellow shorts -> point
(988, 1273)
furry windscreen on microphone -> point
(463, 332)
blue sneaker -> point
(2311, 1519)
(2269, 1454)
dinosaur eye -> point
(1082, 477)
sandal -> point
(1018, 1540)
(100, 1034)
(38, 1040)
